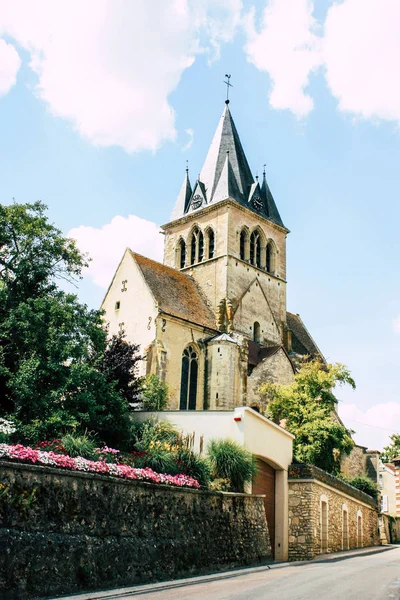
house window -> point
(190, 369)
(255, 249)
(181, 254)
(117, 305)
(257, 332)
(211, 243)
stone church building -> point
(212, 323)
(212, 320)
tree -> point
(155, 393)
(58, 371)
(393, 450)
(307, 408)
(120, 363)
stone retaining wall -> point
(62, 532)
(308, 487)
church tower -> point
(227, 234)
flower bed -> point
(26, 454)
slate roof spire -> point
(226, 139)
(226, 174)
(182, 202)
(270, 207)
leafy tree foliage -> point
(306, 408)
(155, 393)
(393, 450)
(58, 372)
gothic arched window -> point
(211, 243)
(182, 254)
(270, 257)
(243, 244)
(257, 332)
(190, 367)
(255, 249)
(201, 246)
(196, 246)
(193, 247)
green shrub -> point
(193, 464)
(80, 445)
(152, 431)
(155, 393)
(362, 483)
(51, 428)
(231, 461)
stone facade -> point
(116, 533)
(227, 239)
(327, 515)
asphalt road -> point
(373, 577)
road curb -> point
(119, 593)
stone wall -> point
(355, 463)
(308, 487)
(64, 532)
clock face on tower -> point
(257, 203)
(197, 201)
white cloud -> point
(108, 66)
(374, 425)
(10, 63)
(362, 56)
(396, 325)
(189, 143)
(287, 47)
(106, 245)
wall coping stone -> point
(310, 473)
(9, 464)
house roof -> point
(176, 293)
(302, 342)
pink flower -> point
(41, 457)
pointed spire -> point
(269, 203)
(227, 186)
(182, 202)
(226, 139)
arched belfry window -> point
(257, 332)
(201, 246)
(244, 244)
(196, 246)
(255, 249)
(270, 257)
(190, 368)
(211, 243)
(181, 254)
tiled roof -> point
(302, 342)
(176, 293)
(258, 353)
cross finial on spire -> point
(264, 170)
(228, 85)
(187, 166)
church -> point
(211, 320)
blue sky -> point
(100, 129)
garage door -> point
(264, 483)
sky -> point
(102, 102)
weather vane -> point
(228, 85)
